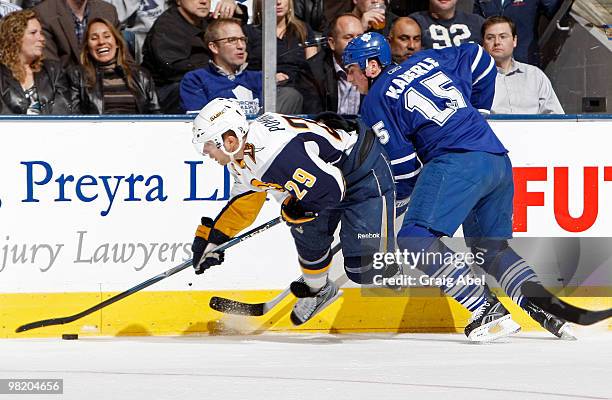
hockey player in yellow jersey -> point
(323, 173)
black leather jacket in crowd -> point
(50, 83)
(319, 84)
(311, 12)
(85, 100)
(174, 46)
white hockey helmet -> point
(216, 118)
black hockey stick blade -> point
(235, 307)
(229, 306)
(65, 320)
(540, 296)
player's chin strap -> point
(232, 154)
(371, 82)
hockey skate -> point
(557, 326)
(309, 304)
(490, 321)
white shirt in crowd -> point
(524, 89)
(348, 95)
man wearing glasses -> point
(174, 44)
(225, 76)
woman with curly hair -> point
(28, 84)
(106, 82)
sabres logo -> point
(217, 115)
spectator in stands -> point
(445, 26)
(7, 7)
(294, 44)
(175, 45)
(64, 23)
(371, 18)
(333, 8)
(519, 88)
(28, 85)
(294, 40)
(25, 4)
(325, 86)
(106, 82)
(403, 8)
(312, 13)
(136, 18)
(226, 75)
(317, 13)
(404, 38)
(526, 15)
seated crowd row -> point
(70, 57)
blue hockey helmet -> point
(365, 47)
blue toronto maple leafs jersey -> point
(429, 105)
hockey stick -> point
(229, 306)
(539, 295)
(64, 320)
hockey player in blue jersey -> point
(324, 174)
(429, 109)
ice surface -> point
(316, 366)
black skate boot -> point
(309, 304)
(557, 326)
(490, 321)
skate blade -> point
(323, 307)
(494, 330)
(566, 332)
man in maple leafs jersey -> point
(430, 107)
(324, 174)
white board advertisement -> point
(100, 206)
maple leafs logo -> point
(366, 37)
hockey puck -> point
(70, 336)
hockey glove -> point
(335, 121)
(201, 259)
(293, 213)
